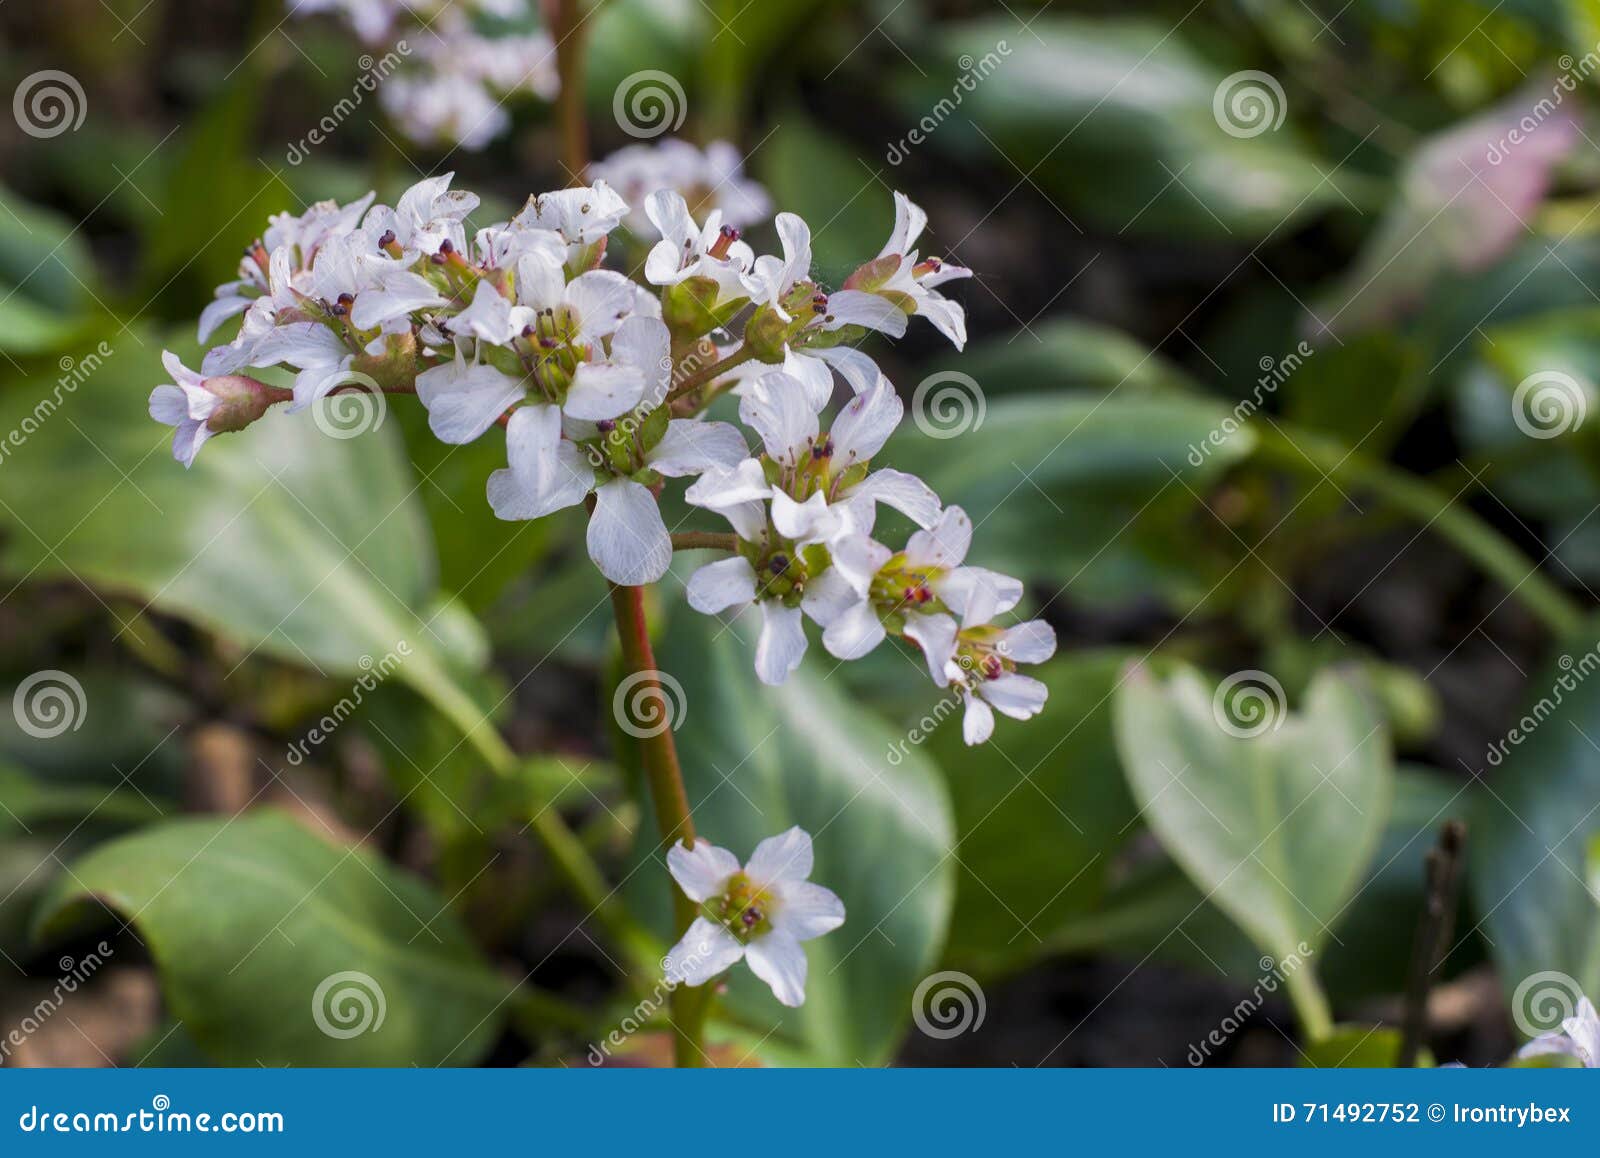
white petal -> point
(701, 872)
(807, 910)
(828, 596)
(865, 424)
(168, 405)
(978, 723)
(855, 633)
(947, 317)
(778, 959)
(810, 369)
(1031, 642)
(785, 857)
(463, 401)
(936, 635)
(795, 235)
(723, 584)
(1018, 696)
(540, 281)
(978, 594)
(645, 344)
(718, 489)
(398, 295)
(627, 539)
(944, 544)
(488, 317)
(812, 521)
(859, 559)
(220, 311)
(855, 308)
(860, 371)
(778, 408)
(909, 222)
(782, 644)
(906, 493)
(694, 447)
(546, 472)
(706, 950)
(299, 344)
(603, 390)
(601, 298)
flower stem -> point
(704, 541)
(569, 34)
(700, 377)
(1311, 453)
(659, 752)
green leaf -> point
(1111, 476)
(1039, 810)
(1114, 117)
(26, 802)
(1357, 1047)
(1275, 819)
(268, 938)
(757, 760)
(1533, 825)
(45, 277)
(281, 538)
(1067, 354)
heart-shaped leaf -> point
(1274, 816)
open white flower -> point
(582, 216)
(899, 277)
(185, 404)
(427, 215)
(760, 912)
(980, 663)
(1579, 1037)
(687, 250)
(548, 470)
(773, 282)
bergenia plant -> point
(601, 385)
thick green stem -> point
(659, 752)
(716, 369)
(1310, 1004)
(704, 541)
(1313, 454)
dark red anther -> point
(447, 246)
(726, 236)
(778, 564)
(992, 667)
(387, 239)
(605, 425)
(823, 449)
(527, 331)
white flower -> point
(582, 216)
(708, 181)
(897, 275)
(774, 281)
(187, 405)
(427, 215)
(1579, 1037)
(627, 538)
(980, 663)
(687, 251)
(785, 414)
(761, 912)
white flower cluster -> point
(600, 383)
(454, 90)
(708, 179)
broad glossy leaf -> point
(757, 760)
(1276, 816)
(1533, 820)
(308, 547)
(1039, 811)
(1115, 118)
(45, 277)
(1066, 354)
(1110, 476)
(277, 948)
